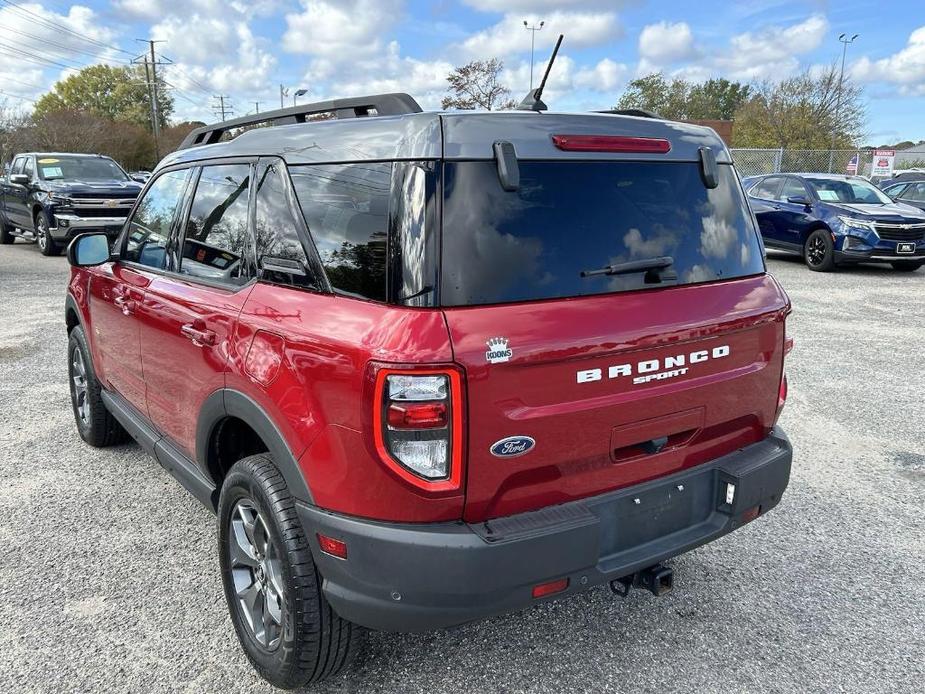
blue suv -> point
(835, 220)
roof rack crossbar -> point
(356, 107)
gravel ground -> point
(103, 590)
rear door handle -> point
(199, 337)
(127, 306)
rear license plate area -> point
(655, 511)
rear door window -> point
(573, 217)
(768, 188)
(216, 232)
(346, 208)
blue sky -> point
(343, 47)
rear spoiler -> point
(357, 107)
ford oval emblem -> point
(512, 446)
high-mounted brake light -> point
(417, 418)
(611, 143)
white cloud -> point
(425, 80)
(905, 68)
(509, 37)
(606, 76)
(535, 6)
(768, 53)
(774, 51)
(339, 31)
(665, 43)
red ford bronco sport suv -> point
(432, 367)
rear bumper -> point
(402, 577)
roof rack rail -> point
(638, 112)
(355, 107)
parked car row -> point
(49, 198)
(833, 220)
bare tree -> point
(478, 85)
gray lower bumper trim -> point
(405, 577)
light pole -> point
(845, 41)
(297, 93)
(532, 29)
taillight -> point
(418, 426)
(782, 391)
(611, 143)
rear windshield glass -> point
(569, 217)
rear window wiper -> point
(656, 269)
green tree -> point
(668, 99)
(679, 99)
(802, 112)
(115, 93)
(716, 99)
(478, 85)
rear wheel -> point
(43, 237)
(5, 235)
(907, 265)
(819, 251)
(287, 629)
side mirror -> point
(139, 179)
(800, 200)
(88, 250)
(19, 179)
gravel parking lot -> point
(109, 578)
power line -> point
(224, 107)
(60, 27)
(17, 96)
(61, 46)
(33, 57)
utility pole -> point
(283, 93)
(256, 107)
(151, 79)
(533, 29)
(841, 78)
(223, 108)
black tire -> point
(907, 265)
(95, 424)
(819, 251)
(5, 236)
(47, 245)
(307, 642)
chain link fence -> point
(751, 162)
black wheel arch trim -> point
(228, 402)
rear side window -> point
(346, 208)
(570, 217)
(150, 226)
(216, 231)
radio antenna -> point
(533, 100)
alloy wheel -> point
(816, 251)
(256, 572)
(41, 232)
(79, 386)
